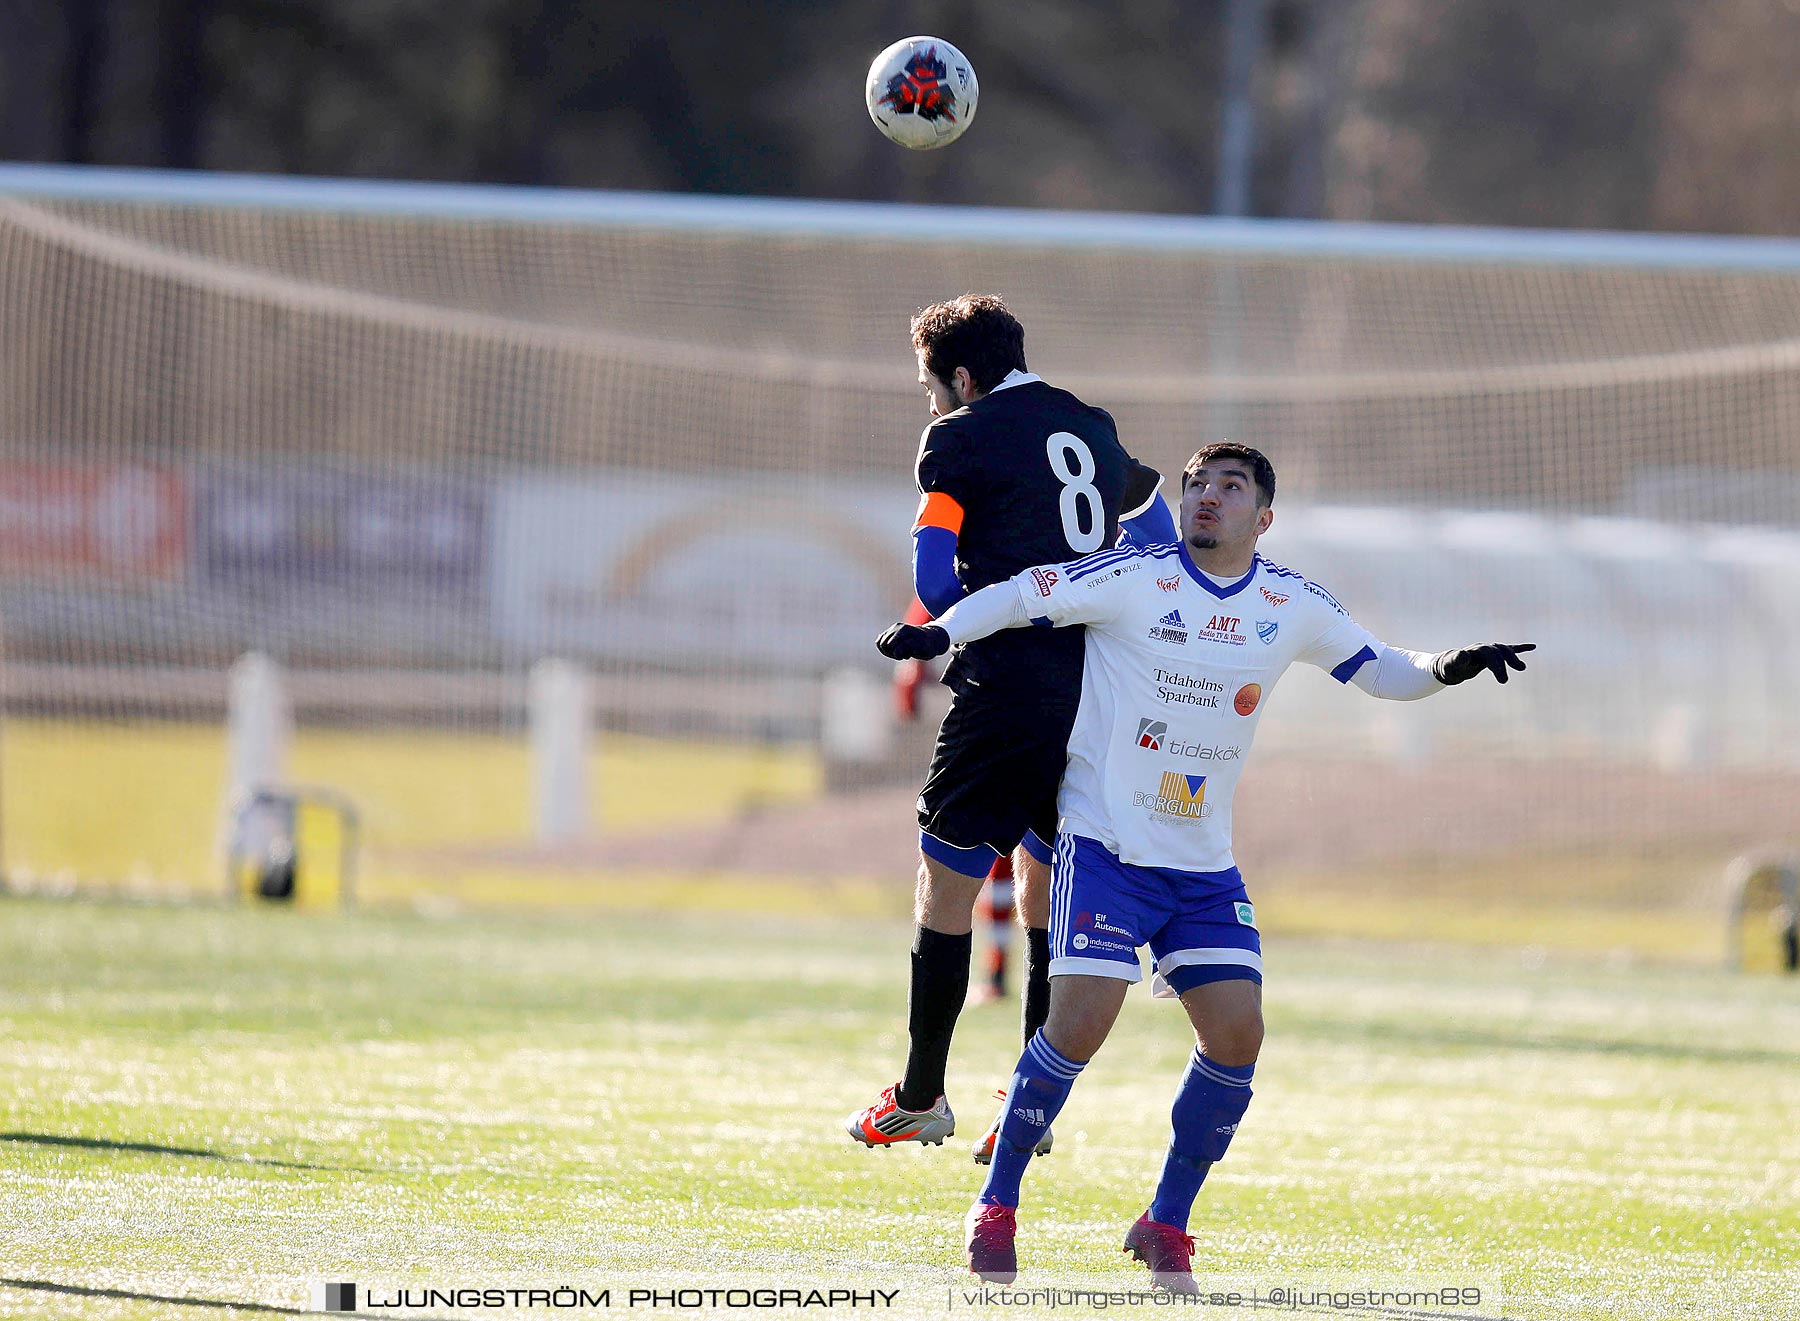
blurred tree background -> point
(1623, 114)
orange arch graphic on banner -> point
(665, 539)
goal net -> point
(406, 443)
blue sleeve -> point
(1155, 526)
(934, 569)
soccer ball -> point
(922, 92)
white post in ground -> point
(857, 716)
(559, 710)
(259, 725)
(1403, 733)
(1681, 739)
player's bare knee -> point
(944, 900)
(1079, 1038)
(1234, 1039)
(1031, 893)
(1227, 1019)
(922, 895)
(1082, 1012)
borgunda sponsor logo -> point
(1181, 795)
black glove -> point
(913, 642)
(1465, 663)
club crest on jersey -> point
(1180, 795)
(1045, 580)
(1170, 584)
(1273, 598)
(1266, 629)
(1151, 734)
(1170, 629)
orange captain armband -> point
(939, 510)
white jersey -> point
(1179, 669)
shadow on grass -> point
(154, 1149)
(1439, 1035)
(234, 1304)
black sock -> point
(940, 984)
(1037, 981)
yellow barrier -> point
(294, 845)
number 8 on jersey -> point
(1083, 520)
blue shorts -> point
(978, 861)
(1199, 925)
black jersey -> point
(1042, 479)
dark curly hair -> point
(1261, 470)
(976, 332)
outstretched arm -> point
(1091, 590)
(1405, 676)
(975, 616)
(1465, 663)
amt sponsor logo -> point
(1223, 628)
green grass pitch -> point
(206, 1109)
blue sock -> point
(1040, 1084)
(1211, 1100)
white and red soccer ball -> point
(922, 92)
